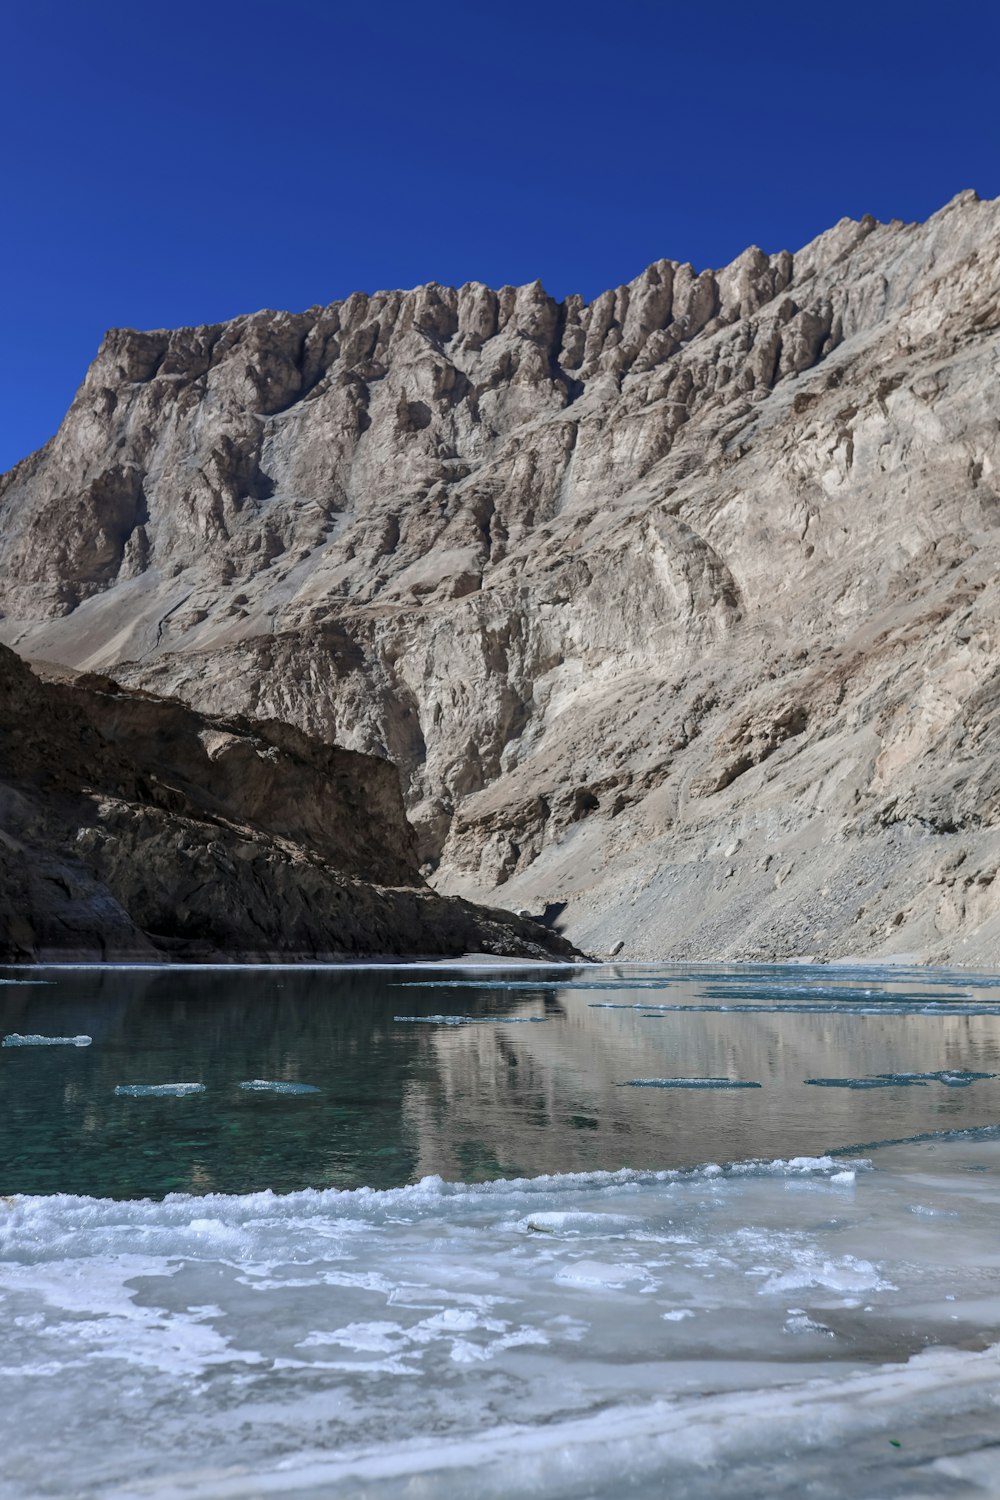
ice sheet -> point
(764, 1328)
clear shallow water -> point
(629, 1324)
(473, 1076)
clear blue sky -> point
(183, 162)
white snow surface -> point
(768, 1329)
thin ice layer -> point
(555, 1336)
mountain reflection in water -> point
(397, 1101)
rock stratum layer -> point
(131, 826)
(677, 606)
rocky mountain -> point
(677, 606)
(133, 827)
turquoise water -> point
(381, 1077)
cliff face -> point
(131, 826)
(676, 606)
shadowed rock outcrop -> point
(675, 606)
(131, 826)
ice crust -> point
(563, 1336)
(14, 1039)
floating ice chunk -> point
(158, 1090)
(267, 1086)
(882, 998)
(688, 1083)
(677, 1315)
(959, 1078)
(844, 1179)
(465, 1020)
(434, 1020)
(15, 1040)
(953, 1078)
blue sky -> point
(182, 163)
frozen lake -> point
(336, 1296)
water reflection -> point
(398, 1099)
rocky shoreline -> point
(136, 829)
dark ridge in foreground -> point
(135, 828)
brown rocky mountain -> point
(677, 606)
(131, 826)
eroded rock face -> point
(676, 606)
(134, 827)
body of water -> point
(448, 1232)
(381, 1077)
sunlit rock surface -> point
(676, 606)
